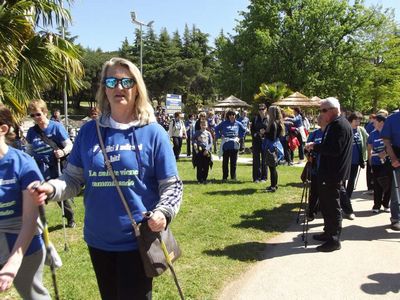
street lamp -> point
(241, 66)
(137, 22)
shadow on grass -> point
(250, 251)
(293, 184)
(276, 219)
(56, 227)
(235, 192)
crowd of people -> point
(143, 147)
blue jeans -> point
(394, 202)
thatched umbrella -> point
(297, 100)
(231, 102)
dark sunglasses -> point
(112, 82)
(324, 110)
(261, 109)
(35, 115)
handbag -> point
(158, 250)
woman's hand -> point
(59, 153)
(157, 222)
(7, 275)
(39, 192)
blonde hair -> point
(38, 104)
(142, 109)
(275, 115)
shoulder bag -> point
(158, 250)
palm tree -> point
(33, 60)
(272, 92)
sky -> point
(106, 23)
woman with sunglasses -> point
(257, 129)
(144, 164)
(21, 246)
(50, 154)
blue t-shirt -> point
(369, 127)
(17, 171)
(316, 137)
(356, 150)
(245, 121)
(297, 121)
(376, 141)
(42, 151)
(231, 130)
(391, 129)
(107, 226)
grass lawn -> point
(222, 229)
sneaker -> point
(349, 216)
(329, 246)
(386, 209)
(395, 226)
(271, 189)
(256, 181)
(375, 211)
(71, 224)
(323, 237)
(263, 180)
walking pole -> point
(167, 259)
(169, 263)
(301, 202)
(62, 210)
(396, 185)
(306, 204)
(42, 216)
(358, 175)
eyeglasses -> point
(112, 82)
(324, 110)
(35, 115)
(261, 109)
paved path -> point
(367, 266)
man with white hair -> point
(333, 169)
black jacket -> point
(258, 124)
(335, 152)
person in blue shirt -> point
(369, 127)
(380, 163)
(49, 159)
(230, 131)
(21, 246)
(246, 123)
(391, 137)
(358, 158)
(143, 161)
(202, 146)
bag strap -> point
(45, 139)
(114, 178)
